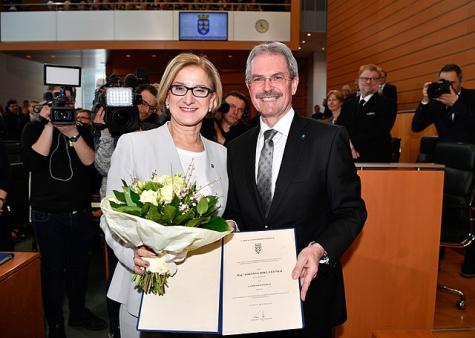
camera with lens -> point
(62, 106)
(119, 100)
(435, 89)
(61, 110)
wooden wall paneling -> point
(394, 31)
(396, 45)
(387, 17)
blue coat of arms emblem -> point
(203, 24)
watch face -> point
(262, 25)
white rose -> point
(166, 193)
(157, 264)
(149, 196)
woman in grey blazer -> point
(190, 88)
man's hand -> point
(307, 266)
(100, 116)
(139, 263)
(425, 95)
(448, 99)
(354, 153)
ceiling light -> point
(53, 56)
(154, 55)
(127, 55)
(300, 48)
(303, 41)
(230, 56)
(28, 56)
(309, 34)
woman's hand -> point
(139, 263)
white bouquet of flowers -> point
(168, 215)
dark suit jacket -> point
(370, 127)
(459, 129)
(317, 192)
(390, 91)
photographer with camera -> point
(146, 109)
(452, 110)
(448, 106)
(60, 156)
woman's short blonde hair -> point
(184, 60)
(339, 96)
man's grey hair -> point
(272, 48)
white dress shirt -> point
(280, 139)
(366, 98)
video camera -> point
(66, 77)
(119, 100)
(435, 89)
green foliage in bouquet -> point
(170, 200)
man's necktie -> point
(264, 171)
(362, 102)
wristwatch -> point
(324, 259)
(74, 138)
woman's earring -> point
(209, 109)
(167, 106)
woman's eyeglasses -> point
(198, 91)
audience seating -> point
(395, 149)
(426, 149)
(458, 211)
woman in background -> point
(334, 101)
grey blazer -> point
(138, 155)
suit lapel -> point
(290, 161)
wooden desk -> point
(391, 269)
(21, 307)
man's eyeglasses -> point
(152, 109)
(367, 79)
(198, 91)
(276, 79)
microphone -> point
(130, 80)
(47, 98)
(142, 75)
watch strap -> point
(74, 138)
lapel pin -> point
(303, 136)
(212, 165)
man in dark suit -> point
(369, 117)
(291, 171)
(453, 114)
(387, 89)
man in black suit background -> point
(308, 183)
(369, 117)
(387, 89)
(453, 114)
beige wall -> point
(411, 39)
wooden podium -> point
(391, 269)
(21, 308)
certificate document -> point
(240, 285)
(258, 292)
